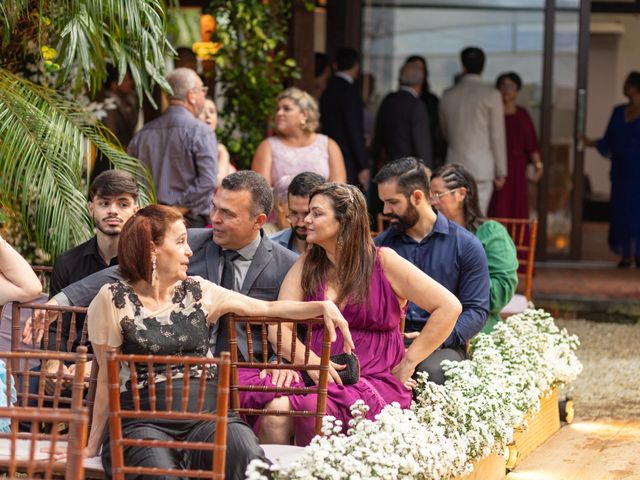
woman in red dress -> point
(512, 200)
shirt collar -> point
(471, 77)
(346, 76)
(249, 250)
(90, 247)
(441, 226)
(410, 90)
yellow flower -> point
(48, 53)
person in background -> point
(621, 144)
(342, 120)
(454, 194)
(180, 151)
(295, 237)
(209, 115)
(445, 251)
(472, 122)
(321, 75)
(431, 102)
(512, 200)
(122, 109)
(296, 147)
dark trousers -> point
(242, 447)
(433, 363)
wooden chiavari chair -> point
(31, 453)
(263, 324)
(65, 317)
(166, 410)
(523, 232)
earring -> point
(303, 124)
(340, 244)
(154, 272)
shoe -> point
(625, 262)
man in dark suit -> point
(238, 212)
(402, 124)
(341, 114)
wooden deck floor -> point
(598, 450)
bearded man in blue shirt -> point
(446, 252)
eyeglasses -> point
(435, 197)
(294, 218)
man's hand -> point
(281, 377)
(499, 182)
(364, 177)
(52, 378)
(37, 322)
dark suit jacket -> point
(341, 114)
(402, 130)
(264, 277)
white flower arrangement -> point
(448, 426)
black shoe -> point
(625, 262)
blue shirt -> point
(181, 152)
(285, 238)
(453, 257)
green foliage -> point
(252, 67)
(46, 138)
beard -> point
(405, 221)
(111, 231)
(299, 235)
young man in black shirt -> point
(112, 201)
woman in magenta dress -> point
(371, 287)
(512, 200)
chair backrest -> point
(44, 275)
(65, 319)
(31, 452)
(165, 408)
(380, 225)
(302, 332)
(523, 232)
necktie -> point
(222, 334)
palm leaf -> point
(44, 142)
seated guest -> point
(296, 147)
(295, 237)
(372, 287)
(446, 252)
(455, 195)
(255, 265)
(158, 310)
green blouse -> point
(503, 268)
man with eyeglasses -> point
(295, 237)
(180, 151)
(448, 253)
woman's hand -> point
(333, 373)
(333, 318)
(403, 372)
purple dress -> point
(379, 346)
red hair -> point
(148, 225)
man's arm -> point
(497, 135)
(82, 292)
(354, 129)
(205, 155)
(473, 293)
(421, 134)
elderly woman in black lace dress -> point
(159, 310)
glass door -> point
(561, 192)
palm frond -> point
(44, 142)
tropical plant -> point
(252, 68)
(53, 55)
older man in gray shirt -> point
(181, 151)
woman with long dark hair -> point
(455, 195)
(371, 287)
